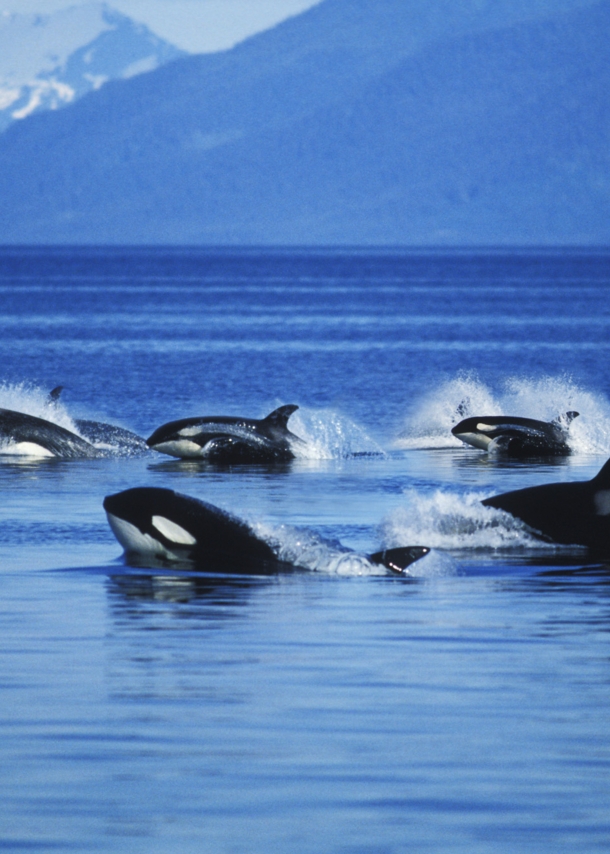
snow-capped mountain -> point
(47, 61)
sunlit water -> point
(335, 708)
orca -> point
(575, 513)
(26, 434)
(160, 525)
(224, 439)
(100, 433)
(516, 437)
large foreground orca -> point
(570, 513)
(26, 434)
(163, 525)
(100, 433)
(225, 439)
(518, 437)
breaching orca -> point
(100, 433)
(27, 434)
(165, 526)
(570, 513)
(224, 439)
(517, 437)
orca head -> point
(475, 431)
(151, 520)
(398, 560)
(177, 439)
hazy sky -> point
(195, 25)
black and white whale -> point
(28, 435)
(575, 513)
(160, 525)
(107, 435)
(517, 437)
(225, 439)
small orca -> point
(162, 525)
(517, 437)
(225, 439)
(100, 433)
(27, 434)
(575, 513)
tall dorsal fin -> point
(279, 417)
(602, 478)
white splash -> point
(448, 520)
(329, 435)
(431, 421)
(310, 551)
(32, 400)
(542, 398)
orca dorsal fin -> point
(399, 559)
(602, 478)
(279, 417)
(55, 393)
(566, 419)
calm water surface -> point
(463, 709)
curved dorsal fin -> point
(279, 417)
(55, 393)
(399, 559)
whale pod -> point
(575, 513)
(162, 525)
(517, 437)
(225, 439)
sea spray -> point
(543, 398)
(456, 522)
(32, 400)
(308, 550)
(329, 435)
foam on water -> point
(32, 400)
(545, 398)
(448, 520)
(329, 435)
(308, 550)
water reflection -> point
(478, 460)
(177, 588)
(196, 467)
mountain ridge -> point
(475, 140)
(49, 61)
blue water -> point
(461, 709)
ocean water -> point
(462, 708)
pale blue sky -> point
(195, 25)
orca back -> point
(20, 427)
(576, 513)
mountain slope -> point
(47, 61)
(496, 134)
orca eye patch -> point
(172, 531)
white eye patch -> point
(602, 502)
(172, 531)
(190, 431)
